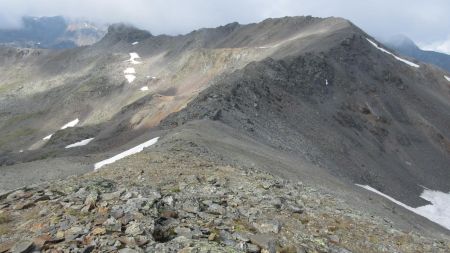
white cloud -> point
(442, 46)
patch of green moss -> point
(4, 229)
(12, 136)
(4, 218)
(243, 226)
(175, 190)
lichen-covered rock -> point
(216, 209)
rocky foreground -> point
(177, 202)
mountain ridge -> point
(305, 98)
(51, 32)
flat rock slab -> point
(23, 246)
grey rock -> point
(296, 209)
(191, 206)
(126, 196)
(269, 226)
(134, 229)
(127, 218)
(136, 204)
(91, 199)
(252, 248)
(117, 212)
(241, 237)
(128, 250)
(277, 203)
(242, 246)
(267, 185)
(74, 232)
(23, 246)
(15, 195)
(168, 201)
(272, 247)
(186, 232)
(335, 249)
(112, 225)
(112, 195)
(216, 209)
(334, 239)
(43, 212)
(262, 240)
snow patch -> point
(80, 143)
(448, 78)
(129, 71)
(133, 57)
(71, 124)
(412, 64)
(145, 88)
(126, 153)
(438, 211)
(130, 78)
(47, 137)
(135, 43)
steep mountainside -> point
(352, 109)
(51, 32)
(406, 46)
(110, 91)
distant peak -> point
(124, 28)
(126, 32)
(401, 40)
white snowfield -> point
(412, 64)
(126, 153)
(70, 124)
(438, 211)
(130, 78)
(129, 71)
(135, 43)
(448, 78)
(133, 57)
(145, 88)
(80, 143)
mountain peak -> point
(121, 31)
(403, 41)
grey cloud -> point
(423, 21)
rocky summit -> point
(295, 134)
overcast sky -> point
(426, 22)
